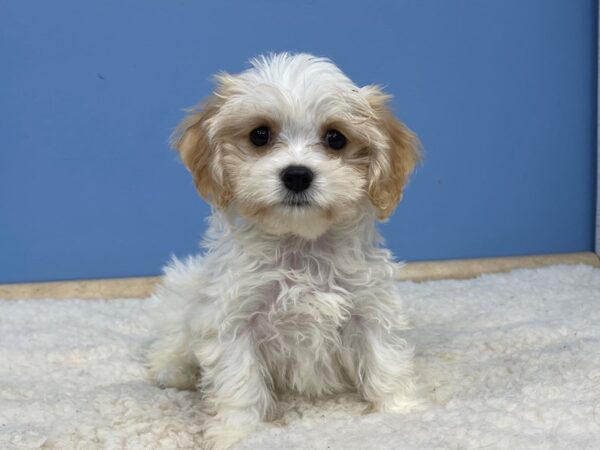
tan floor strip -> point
(417, 271)
(470, 268)
(87, 289)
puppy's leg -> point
(171, 364)
(381, 364)
(236, 387)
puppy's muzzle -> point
(297, 178)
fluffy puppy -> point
(294, 292)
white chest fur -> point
(296, 324)
(291, 296)
(292, 301)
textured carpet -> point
(506, 361)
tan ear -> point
(393, 159)
(200, 156)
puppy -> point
(294, 292)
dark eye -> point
(335, 139)
(260, 136)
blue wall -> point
(501, 92)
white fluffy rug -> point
(507, 361)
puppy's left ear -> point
(394, 155)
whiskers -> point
(297, 200)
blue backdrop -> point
(501, 92)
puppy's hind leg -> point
(170, 360)
(171, 365)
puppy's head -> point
(294, 146)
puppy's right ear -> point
(200, 155)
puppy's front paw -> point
(223, 431)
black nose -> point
(297, 178)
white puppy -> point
(293, 292)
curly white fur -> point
(287, 299)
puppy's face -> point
(294, 146)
